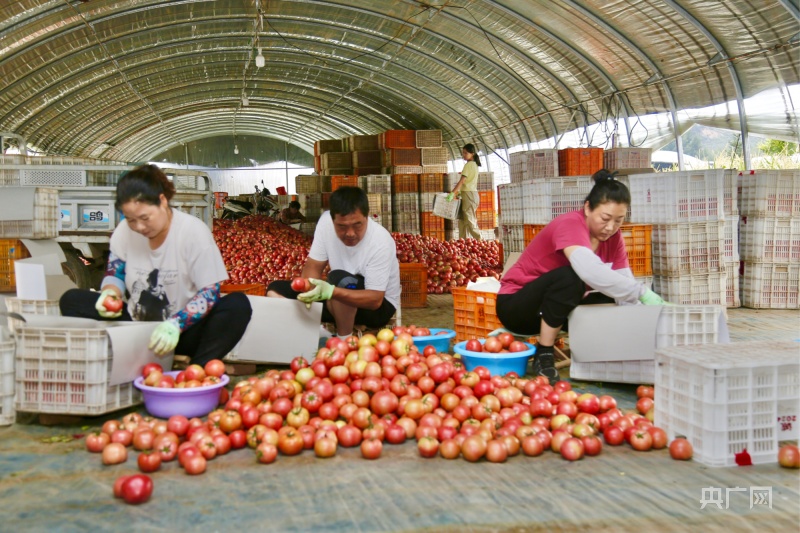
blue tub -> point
(497, 363)
(440, 342)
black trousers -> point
(340, 278)
(211, 338)
(551, 296)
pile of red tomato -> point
(258, 249)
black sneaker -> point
(544, 364)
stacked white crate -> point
(405, 213)
(689, 246)
(533, 164)
(8, 413)
(510, 228)
(770, 238)
(380, 184)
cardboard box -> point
(279, 331)
(633, 332)
(40, 276)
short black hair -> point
(347, 200)
(294, 204)
(607, 189)
(145, 183)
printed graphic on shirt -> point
(150, 294)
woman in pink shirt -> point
(575, 253)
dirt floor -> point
(58, 486)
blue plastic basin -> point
(497, 363)
(440, 342)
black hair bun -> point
(604, 174)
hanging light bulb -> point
(260, 61)
(236, 149)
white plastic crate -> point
(485, 181)
(7, 412)
(450, 180)
(43, 224)
(386, 204)
(670, 197)
(688, 325)
(376, 183)
(732, 297)
(405, 202)
(513, 237)
(542, 163)
(374, 202)
(543, 199)
(687, 248)
(770, 240)
(647, 281)
(518, 166)
(771, 286)
(730, 191)
(434, 156)
(307, 184)
(619, 158)
(406, 222)
(692, 289)
(730, 239)
(426, 201)
(725, 398)
(66, 371)
(308, 228)
(29, 307)
(510, 203)
(443, 208)
(614, 371)
(487, 234)
(769, 193)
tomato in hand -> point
(301, 285)
(112, 304)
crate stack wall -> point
(689, 242)
(405, 212)
(769, 202)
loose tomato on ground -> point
(136, 489)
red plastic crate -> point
(398, 139)
(405, 183)
(474, 313)
(431, 182)
(343, 181)
(487, 200)
(579, 161)
(414, 283)
(485, 218)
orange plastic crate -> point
(529, 231)
(431, 182)
(487, 200)
(405, 183)
(474, 313)
(431, 222)
(10, 251)
(638, 244)
(485, 218)
(579, 161)
(414, 282)
(219, 199)
(256, 289)
(343, 181)
(398, 139)
(438, 235)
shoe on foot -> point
(544, 365)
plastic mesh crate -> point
(359, 143)
(29, 307)
(405, 222)
(730, 239)
(638, 245)
(579, 161)
(688, 325)
(543, 199)
(398, 139)
(367, 158)
(542, 163)
(443, 208)
(343, 181)
(308, 228)
(376, 183)
(327, 145)
(433, 169)
(641, 371)
(474, 313)
(529, 231)
(44, 223)
(434, 156)
(486, 200)
(336, 160)
(730, 192)
(486, 218)
(66, 371)
(732, 298)
(414, 283)
(405, 203)
(405, 183)
(509, 200)
(688, 248)
(256, 289)
(770, 240)
(724, 399)
(518, 166)
(692, 289)
(485, 181)
(771, 286)
(307, 184)
(431, 182)
(10, 251)
(375, 204)
(432, 226)
(403, 156)
(426, 201)
(513, 237)
(770, 193)
(429, 138)
(7, 412)
(673, 197)
(414, 170)
(619, 158)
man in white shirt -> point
(363, 285)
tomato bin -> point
(166, 402)
(497, 363)
(439, 338)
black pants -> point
(211, 338)
(366, 317)
(551, 296)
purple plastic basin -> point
(197, 401)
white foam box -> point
(618, 343)
(726, 399)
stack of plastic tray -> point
(66, 371)
(374, 201)
(727, 398)
(679, 325)
(518, 166)
(486, 219)
(360, 143)
(770, 238)
(688, 248)
(402, 157)
(509, 201)
(310, 205)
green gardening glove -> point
(651, 298)
(164, 338)
(450, 196)
(101, 308)
(322, 291)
